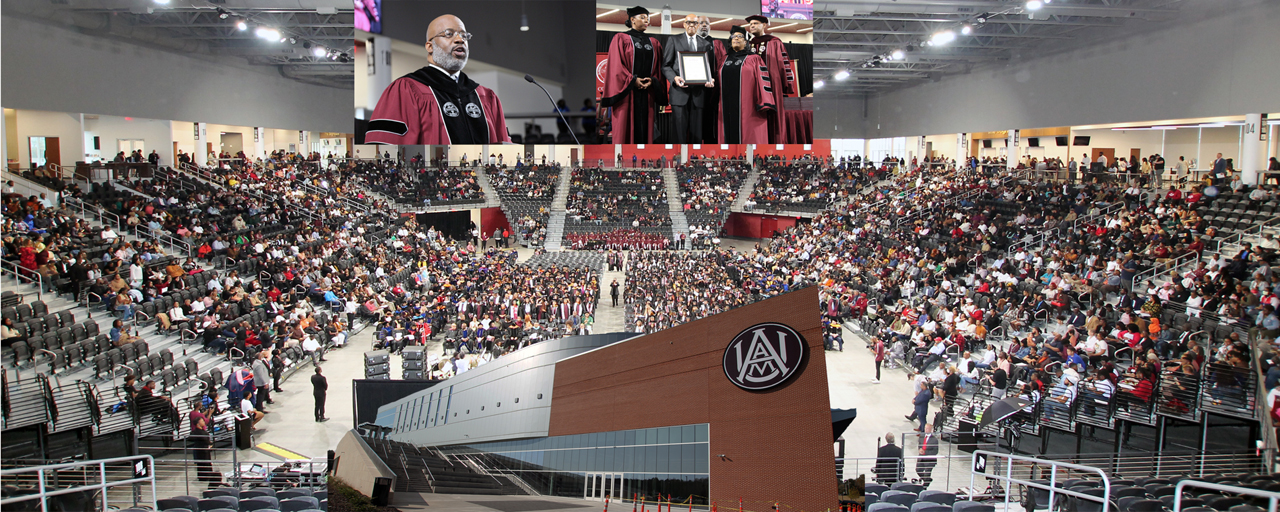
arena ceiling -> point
(209, 28)
(859, 37)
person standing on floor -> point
(928, 456)
(921, 402)
(277, 370)
(613, 292)
(888, 461)
(319, 386)
(878, 350)
(262, 381)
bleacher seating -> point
(602, 201)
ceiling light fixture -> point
(842, 74)
(524, 23)
(943, 37)
(966, 30)
(223, 14)
(318, 51)
(267, 33)
(162, 2)
(241, 25)
(819, 84)
(1034, 5)
(606, 13)
(898, 55)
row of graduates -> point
(751, 75)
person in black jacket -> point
(888, 461)
(319, 386)
(277, 369)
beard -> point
(444, 58)
(704, 31)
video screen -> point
(369, 15)
(788, 9)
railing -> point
(176, 244)
(92, 211)
(981, 458)
(1271, 497)
(101, 484)
(1171, 265)
(22, 275)
(26, 186)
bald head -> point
(447, 45)
(691, 24)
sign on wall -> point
(764, 356)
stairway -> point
(491, 199)
(748, 186)
(675, 206)
(420, 470)
(559, 205)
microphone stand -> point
(529, 78)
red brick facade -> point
(777, 444)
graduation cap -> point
(737, 30)
(633, 12)
(759, 18)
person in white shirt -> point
(312, 347)
(247, 409)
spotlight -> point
(162, 2)
(344, 58)
(911, 47)
(318, 51)
(524, 23)
(819, 84)
(306, 45)
(981, 19)
(223, 14)
(267, 33)
(966, 30)
(241, 25)
(293, 40)
(1034, 5)
(898, 54)
(944, 37)
(842, 74)
(333, 55)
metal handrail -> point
(174, 243)
(141, 464)
(1053, 477)
(17, 271)
(1171, 265)
(1233, 489)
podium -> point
(244, 432)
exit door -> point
(602, 485)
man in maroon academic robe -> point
(439, 104)
(781, 73)
(634, 84)
(746, 96)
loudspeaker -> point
(1080, 140)
(381, 376)
(244, 432)
(376, 357)
(412, 364)
(376, 369)
(414, 353)
(1062, 141)
(1033, 142)
(986, 143)
(413, 375)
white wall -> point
(1223, 63)
(35, 123)
(154, 133)
(51, 68)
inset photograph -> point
(478, 72)
(693, 74)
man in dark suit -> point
(888, 461)
(687, 100)
(928, 455)
(319, 386)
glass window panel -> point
(663, 452)
(610, 464)
(676, 435)
(688, 458)
(664, 435)
(701, 457)
(629, 438)
(598, 456)
(701, 432)
(650, 435)
(688, 434)
(610, 438)
(650, 458)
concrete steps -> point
(748, 186)
(675, 205)
(555, 225)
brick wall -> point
(777, 444)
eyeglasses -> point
(737, 36)
(451, 33)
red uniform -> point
(429, 107)
(633, 54)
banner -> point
(602, 60)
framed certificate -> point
(694, 68)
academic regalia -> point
(634, 54)
(746, 97)
(429, 107)
(782, 76)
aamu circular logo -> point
(763, 356)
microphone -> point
(529, 78)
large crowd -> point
(625, 198)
